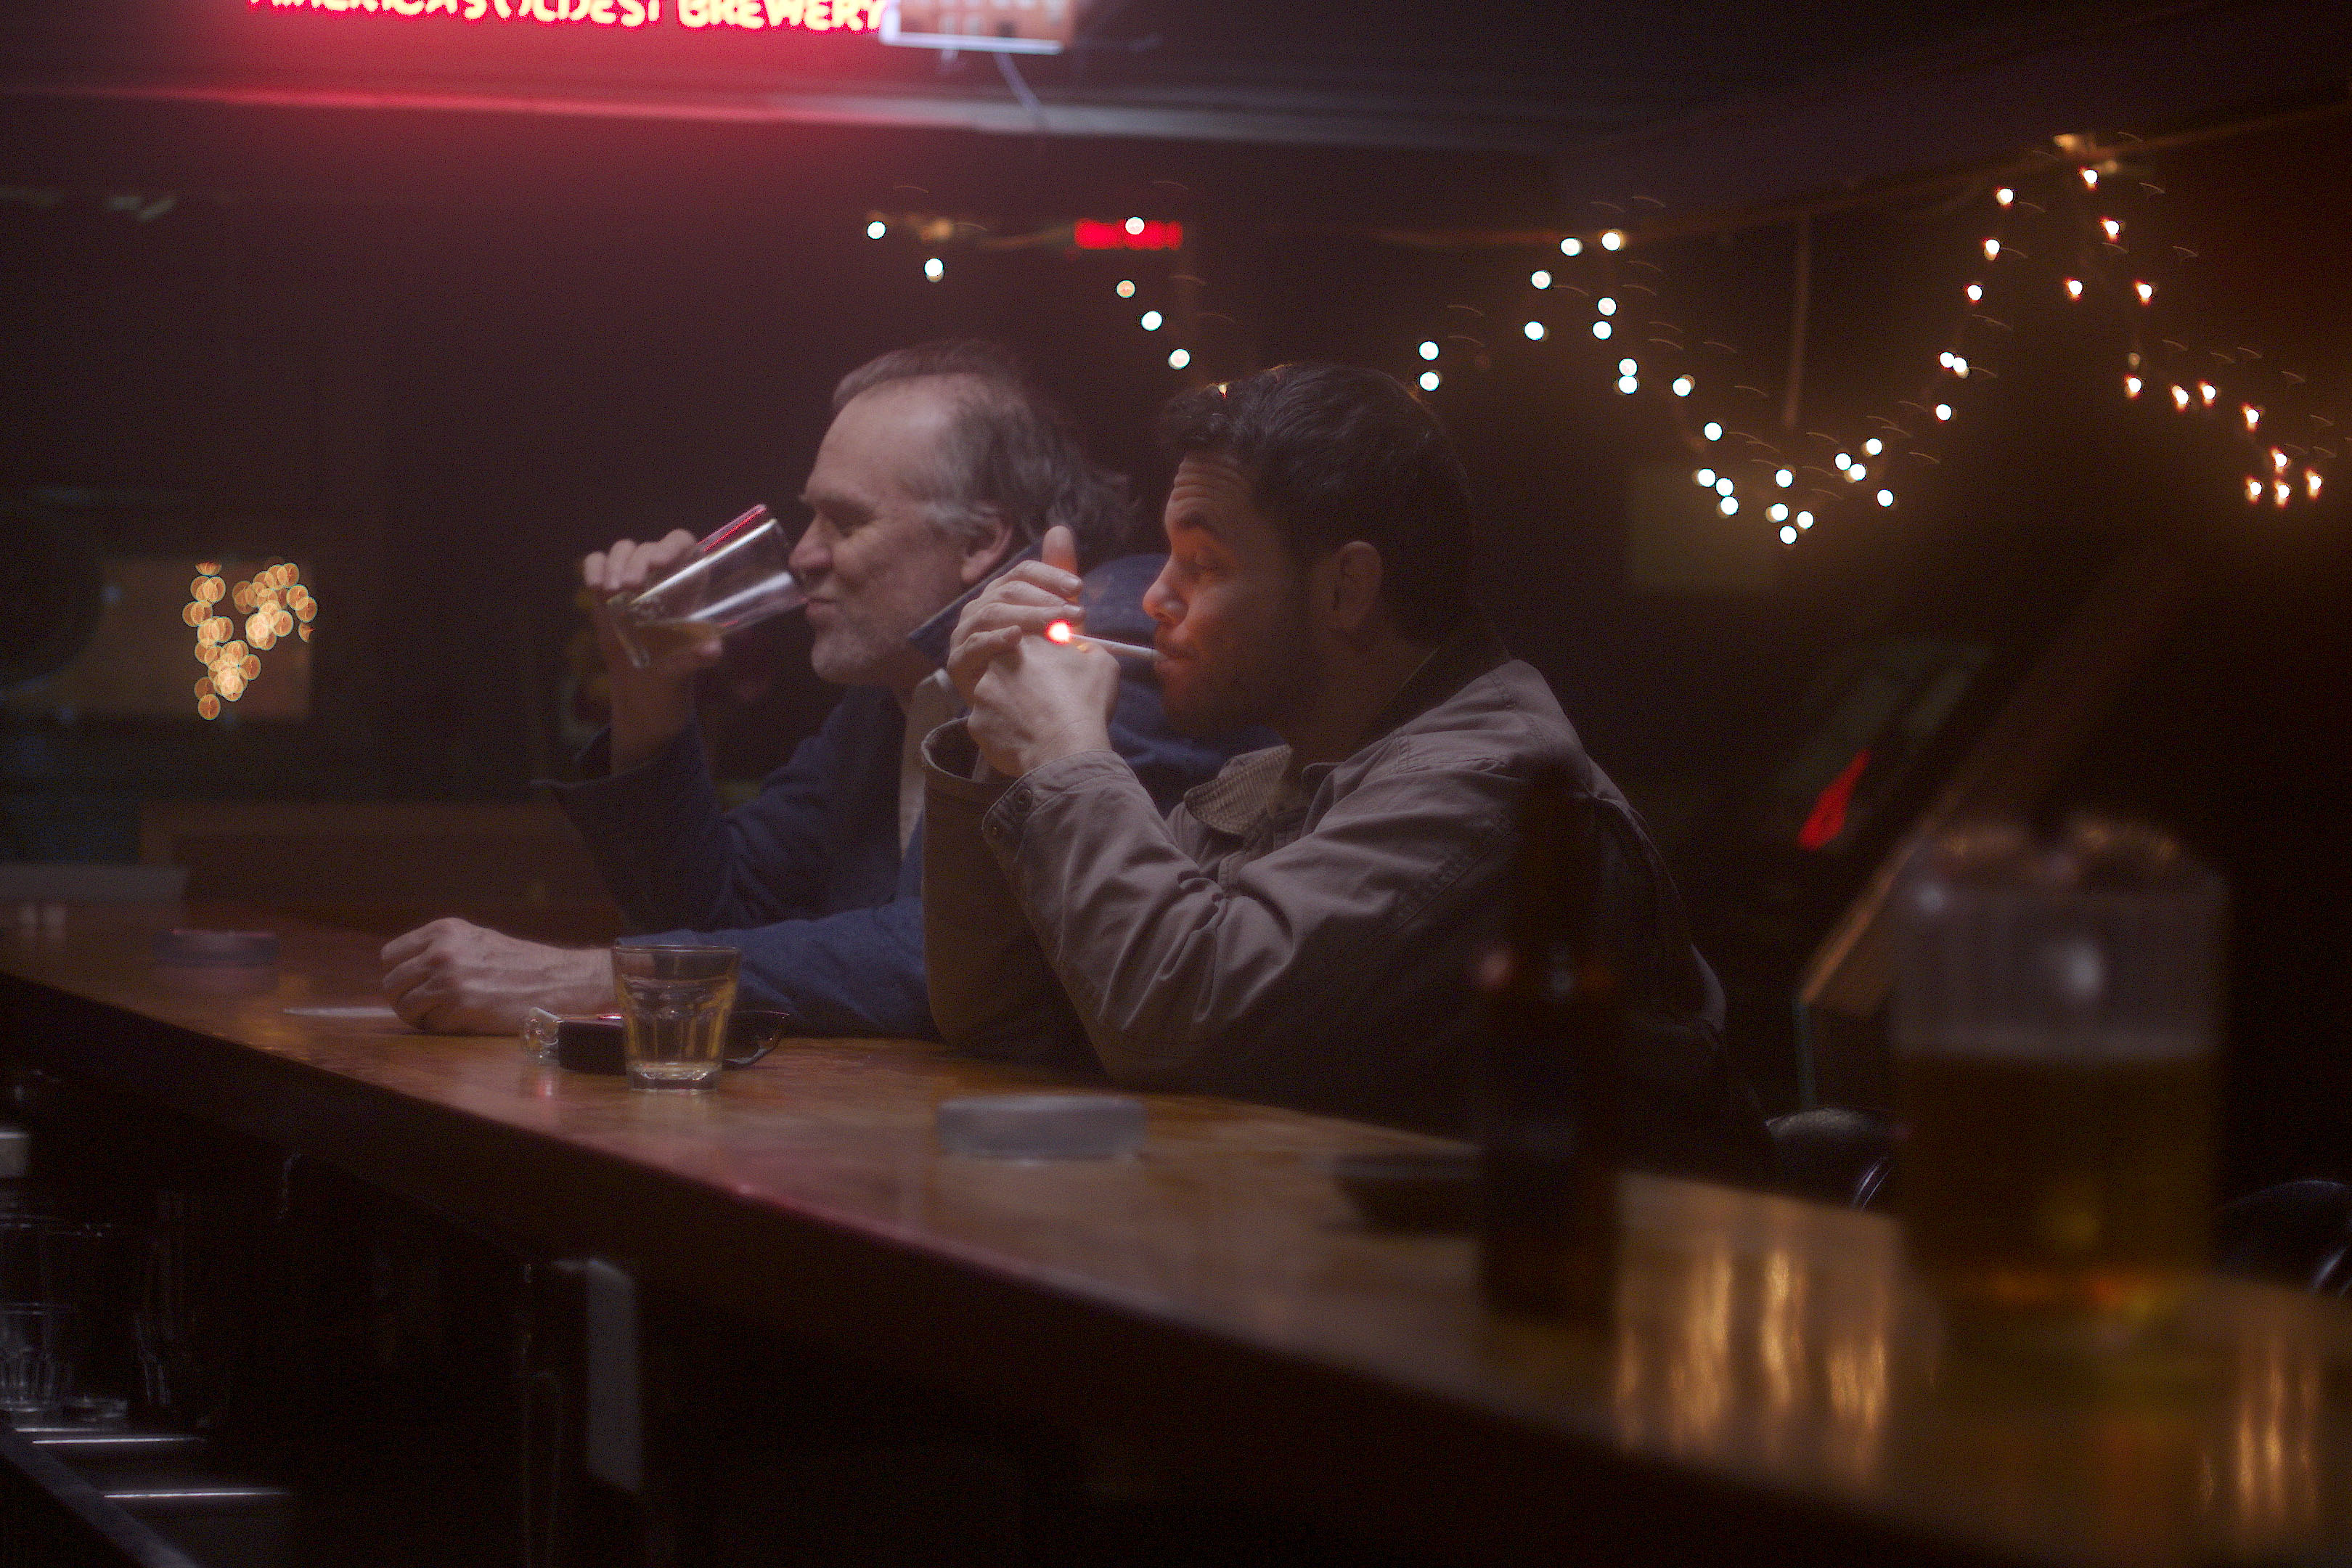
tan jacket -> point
(1304, 941)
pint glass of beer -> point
(2055, 1012)
(740, 575)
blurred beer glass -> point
(674, 1004)
(740, 574)
(2055, 1013)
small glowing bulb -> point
(1602, 330)
(1628, 384)
(1777, 511)
(2253, 417)
(1887, 498)
(1058, 631)
(1613, 240)
(1724, 487)
(1843, 461)
(1428, 350)
(1605, 305)
(2180, 400)
(935, 270)
(2284, 491)
(1857, 473)
(2115, 230)
(1783, 478)
(2091, 178)
(1706, 477)
(1534, 330)
(1179, 358)
(2254, 490)
(1571, 246)
(1975, 293)
(1992, 249)
(2074, 287)
(1540, 278)
(1804, 520)
(2004, 195)
(2147, 292)
(877, 229)
(1874, 446)
(2278, 461)
(1729, 506)
(1943, 410)
(1945, 359)
(2311, 482)
(1711, 430)
(1683, 385)
(1627, 367)
(1788, 536)
(1151, 320)
(2206, 392)
(1135, 226)
(1125, 290)
(1429, 380)
(1960, 367)
(2131, 387)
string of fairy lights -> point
(2082, 232)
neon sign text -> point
(814, 16)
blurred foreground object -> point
(1547, 1066)
(2054, 1022)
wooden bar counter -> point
(1775, 1386)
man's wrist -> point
(1070, 742)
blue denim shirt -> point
(807, 880)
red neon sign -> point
(814, 15)
(1135, 234)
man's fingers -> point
(1055, 580)
(592, 572)
(1061, 550)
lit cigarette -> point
(1060, 632)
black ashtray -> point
(1433, 1194)
(593, 1045)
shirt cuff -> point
(660, 781)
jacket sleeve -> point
(1292, 981)
(859, 972)
(991, 991)
(674, 857)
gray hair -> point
(1010, 452)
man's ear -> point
(1350, 589)
(987, 549)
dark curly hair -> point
(1335, 453)
(1011, 453)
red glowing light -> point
(1090, 234)
(1058, 632)
(1828, 818)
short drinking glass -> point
(674, 1004)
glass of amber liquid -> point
(740, 574)
(2054, 1019)
(674, 1004)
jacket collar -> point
(1249, 785)
(931, 638)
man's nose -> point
(1160, 603)
(810, 556)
